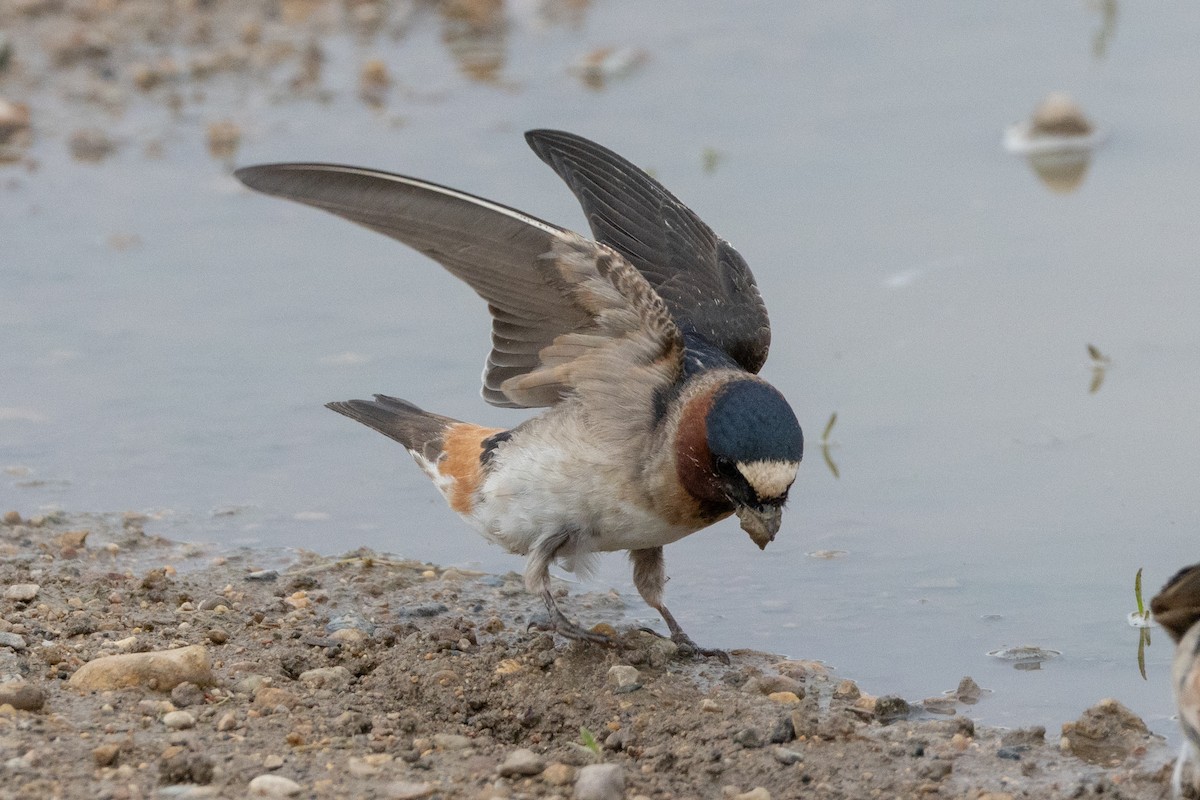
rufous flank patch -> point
(462, 445)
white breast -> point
(534, 492)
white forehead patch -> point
(769, 478)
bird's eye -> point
(726, 467)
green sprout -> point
(1142, 614)
(589, 740)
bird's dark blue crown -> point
(751, 421)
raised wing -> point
(554, 296)
(705, 282)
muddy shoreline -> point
(365, 676)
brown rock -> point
(106, 754)
(1107, 733)
(162, 670)
(22, 696)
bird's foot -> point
(685, 643)
(687, 647)
(557, 622)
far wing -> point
(549, 308)
(705, 282)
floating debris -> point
(597, 67)
(14, 129)
(224, 137)
(91, 145)
(374, 82)
(1058, 140)
(1025, 657)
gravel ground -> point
(277, 675)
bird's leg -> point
(650, 576)
(537, 580)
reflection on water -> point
(1100, 365)
(1108, 26)
(828, 444)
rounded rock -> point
(327, 678)
(179, 720)
(521, 762)
(22, 592)
(623, 675)
(274, 786)
(162, 670)
(600, 782)
(22, 696)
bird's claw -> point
(569, 630)
(684, 641)
(688, 647)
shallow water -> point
(923, 284)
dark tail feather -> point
(419, 431)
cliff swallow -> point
(644, 345)
(1177, 608)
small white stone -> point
(13, 640)
(622, 675)
(451, 741)
(274, 786)
(600, 782)
(405, 790)
(179, 720)
(327, 677)
(521, 762)
(24, 592)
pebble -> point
(623, 675)
(263, 575)
(274, 786)
(273, 762)
(757, 793)
(218, 636)
(22, 592)
(162, 670)
(406, 790)
(106, 754)
(21, 695)
(327, 677)
(13, 640)
(12, 518)
(748, 738)
(273, 697)
(227, 722)
(521, 762)
(187, 694)
(179, 720)
(786, 756)
(1106, 733)
(968, 691)
(451, 741)
(600, 782)
(91, 144)
(784, 698)
(890, 707)
(709, 705)
(846, 690)
(558, 774)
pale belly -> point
(524, 500)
